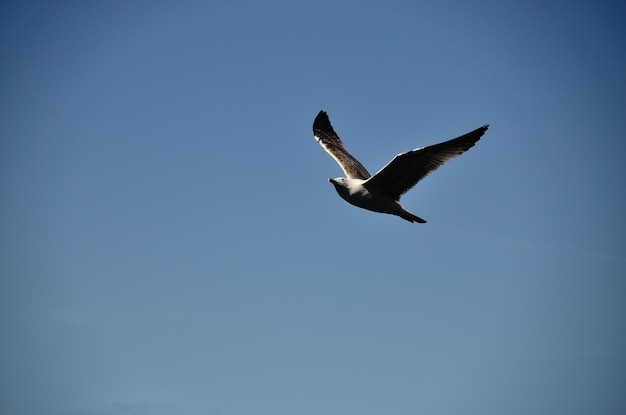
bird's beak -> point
(330, 179)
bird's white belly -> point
(362, 198)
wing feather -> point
(330, 141)
(406, 169)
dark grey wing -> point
(330, 141)
(406, 169)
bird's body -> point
(355, 192)
(381, 192)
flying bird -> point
(381, 192)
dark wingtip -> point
(476, 134)
(322, 123)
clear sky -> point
(170, 244)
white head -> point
(341, 185)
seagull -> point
(381, 192)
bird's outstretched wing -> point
(330, 141)
(406, 169)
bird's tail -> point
(411, 217)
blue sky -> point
(171, 245)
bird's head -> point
(337, 181)
(341, 186)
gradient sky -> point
(170, 243)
